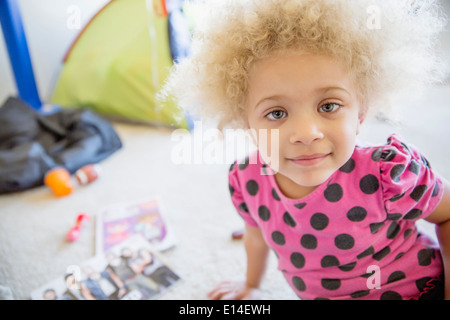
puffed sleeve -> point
(411, 189)
(237, 196)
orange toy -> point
(58, 180)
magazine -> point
(132, 270)
(117, 222)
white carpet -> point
(33, 224)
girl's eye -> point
(329, 107)
(276, 115)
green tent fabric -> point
(111, 66)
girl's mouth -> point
(309, 160)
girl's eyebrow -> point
(325, 89)
(321, 90)
(274, 97)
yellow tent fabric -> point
(111, 66)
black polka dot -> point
(425, 256)
(278, 238)
(264, 213)
(329, 261)
(243, 207)
(396, 197)
(357, 214)
(393, 230)
(413, 214)
(407, 233)
(333, 192)
(244, 164)
(319, 221)
(436, 190)
(376, 155)
(414, 167)
(394, 216)
(404, 145)
(287, 218)
(375, 227)
(390, 295)
(382, 253)
(425, 161)
(369, 184)
(231, 189)
(396, 171)
(331, 284)
(369, 251)
(396, 276)
(299, 284)
(300, 205)
(264, 170)
(421, 283)
(348, 166)
(388, 155)
(344, 241)
(308, 241)
(367, 274)
(275, 195)
(297, 260)
(418, 192)
(252, 187)
(359, 294)
(347, 267)
(399, 256)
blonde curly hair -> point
(386, 45)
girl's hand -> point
(233, 291)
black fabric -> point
(434, 289)
(31, 143)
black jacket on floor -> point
(31, 143)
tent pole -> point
(19, 55)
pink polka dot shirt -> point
(354, 237)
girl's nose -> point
(305, 130)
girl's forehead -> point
(307, 68)
(299, 56)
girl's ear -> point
(361, 118)
(358, 126)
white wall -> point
(51, 27)
(445, 37)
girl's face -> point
(311, 102)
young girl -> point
(303, 75)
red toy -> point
(160, 8)
(74, 232)
(87, 173)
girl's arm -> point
(257, 253)
(441, 217)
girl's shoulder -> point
(407, 181)
(394, 150)
(396, 159)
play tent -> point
(121, 58)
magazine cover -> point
(132, 270)
(119, 221)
